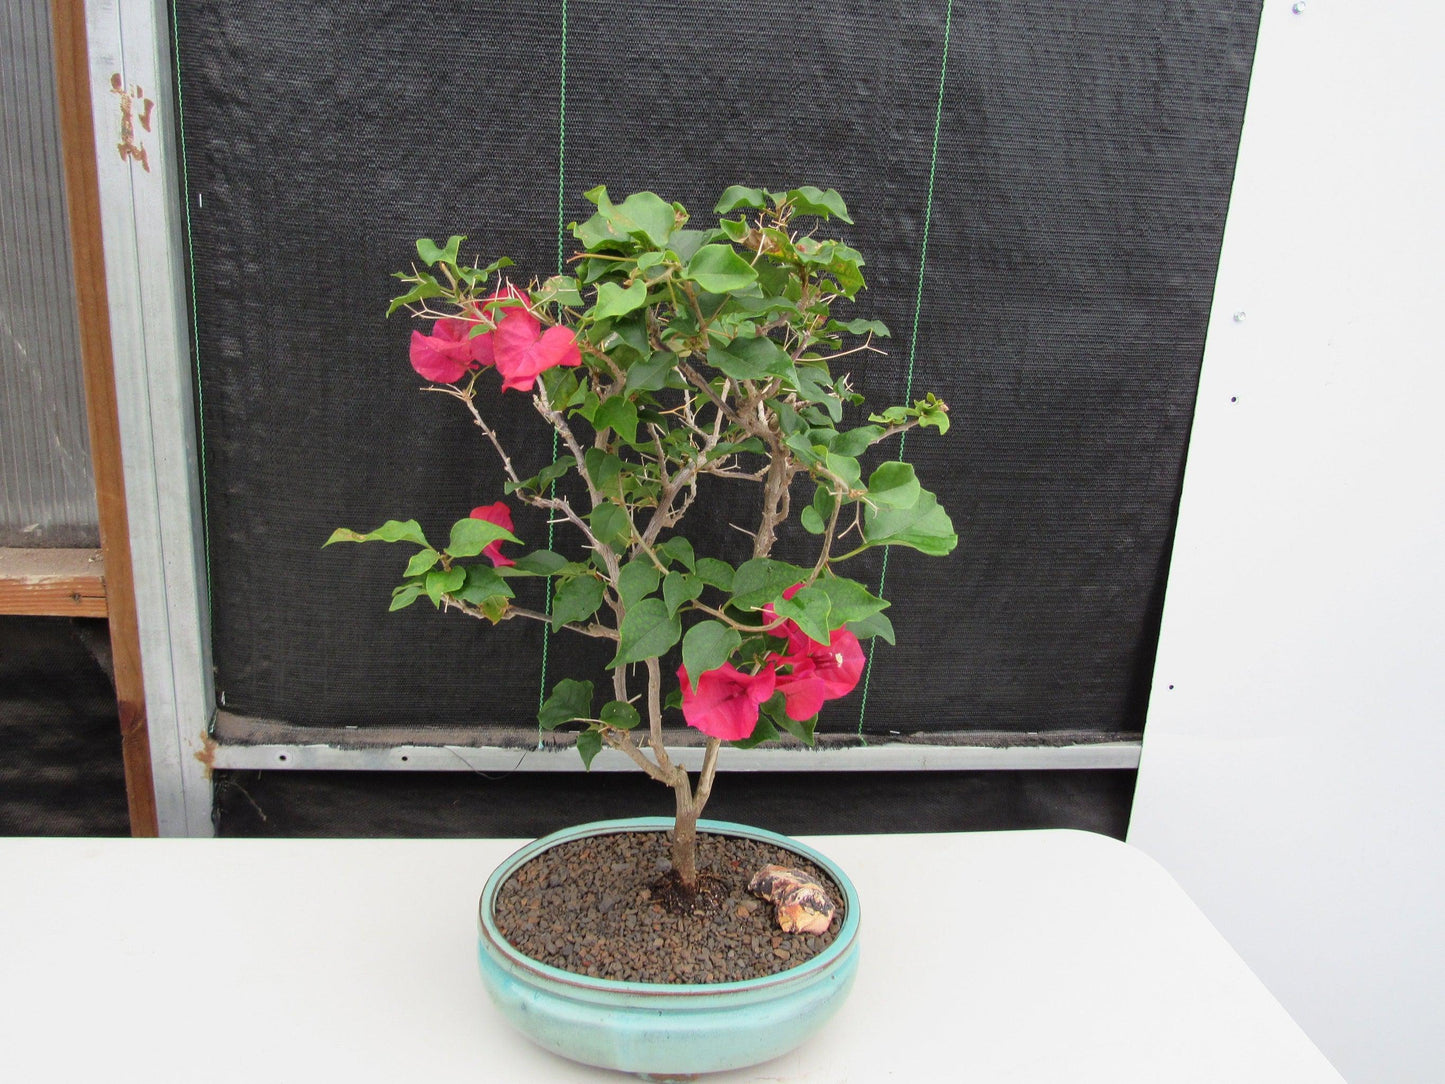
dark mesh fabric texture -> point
(1084, 161)
(424, 805)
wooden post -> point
(72, 81)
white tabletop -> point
(1068, 957)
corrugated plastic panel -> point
(47, 492)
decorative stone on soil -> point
(801, 905)
(591, 906)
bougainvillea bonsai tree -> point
(671, 360)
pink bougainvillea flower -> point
(501, 515)
(817, 672)
(450, 351)
(493, 309)
(522, 349)
(726, 702)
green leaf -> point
(393, 530)
(541, 563)
(846, 468)
(876, 328)
(856, 441)
(803, 730)
(716, 573)
(644, 214)
(750, 359)
(633, 332)
(836, 259)
(718, 269)
(808, 609)
(439, 583)
(678, 549)
(848, 600)
(596, 234)
(734, 229)
(473, 275)
(576, 599)
(650, 374)
(609, 524)
(813, 382)
(894, 485)
(764, 731)
(430, 252)
(589, 744)
(405, 595)
(647, 631)
(872, 625)
(815, 517)
(620, 713)
(427, 287)
(605, 469)
(561, 289)
(736, 195)
(814, 201)
(639, 578)
(482, 584)
(620, 415)
(471, 536)
(762, 580)
(570, 699)
(421, 561)
(685, 243)
(708, 645)
(933, 411)
(543, 478)
(680, 587)
(613, 300)
(930, 411)
(924, 527)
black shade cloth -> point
(1084, 155)
(425, 805)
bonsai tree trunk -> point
(689, 807)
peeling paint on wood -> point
(207, 754)
(129, 117)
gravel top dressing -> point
(597, 907)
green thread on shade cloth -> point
(561, 264)
(913, 340)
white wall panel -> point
(1295, 746)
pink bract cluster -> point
(501, 515)
(513, 341)
(726, 701)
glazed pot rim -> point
(818, 964)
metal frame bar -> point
(256, 744)
(130, 63)
(870, 758)
(144, 246)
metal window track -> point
(250, 744)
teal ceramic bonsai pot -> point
(666, 1030)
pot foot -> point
(664, 1077)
